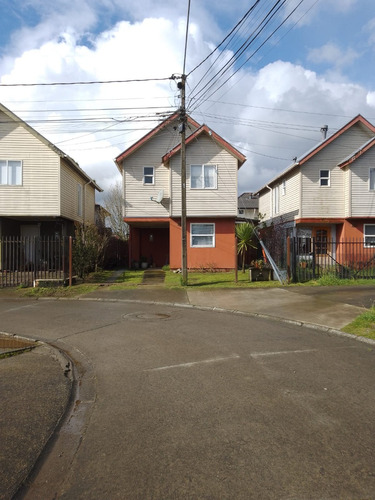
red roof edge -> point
(357, 119)
(151, 134)
(357, 153)
(204, 129)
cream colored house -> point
(43, 192)
(329, 192)
(151, 171)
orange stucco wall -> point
(222, 256)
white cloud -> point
(332, 54)
(278, 113)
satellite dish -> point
(160, 196)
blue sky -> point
(317, 69)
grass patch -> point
(363, 325)
(215, 280)
(128, 279)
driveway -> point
(175, 402)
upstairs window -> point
(148, 175)
(203, 176)
(371, 179)
(324, 179)
(202, 235)
(10, 173)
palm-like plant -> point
(245, 234)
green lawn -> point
(363, 325)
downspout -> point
(84, 202)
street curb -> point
(312, 326)
(63, 361)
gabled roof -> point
(203, 129)
(151, 134)
(248, 200)
(359, 152)
(359, 119)
(54, 148)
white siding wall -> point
(39, 193)
(329, 201)
(137, 195)
(289, 203)
(69, 196)
(206, 202)
(363, 200)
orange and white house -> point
(151, 173)
(329, 192)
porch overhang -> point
(156, 222)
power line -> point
(86, 83)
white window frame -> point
(276, 199)
(79, 200)
(202, 176)
(367, 244)
(324, 178)
(148, 175)
(11, 170)
(202, 234)
(283, 188)
(371, 179)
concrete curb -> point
(313, 326)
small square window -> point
(148, 175)
(324, 179)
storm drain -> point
(144, 316)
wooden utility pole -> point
(183, 182)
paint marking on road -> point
(278, 353)
(17, 308)
(193, 363)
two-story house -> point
(151, 172)
(329, 192)
(43, 192)
(248, 208)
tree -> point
(245, 236)
(88, 248)
(114, 204)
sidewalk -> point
(34, 396)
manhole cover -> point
(147, 316)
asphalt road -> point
(179, 403)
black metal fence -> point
(312, 258)
(25, 260)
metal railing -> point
(311, 258)
(25, 260)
